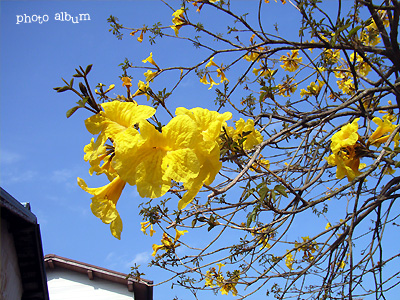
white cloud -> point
(139, 259)
(18, 177)
(8, 158)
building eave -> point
(142, 289)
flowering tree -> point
(291, 176)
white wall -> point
(65, 284)
(10, 278)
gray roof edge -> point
(14, 206)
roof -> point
(28, 245)
(142, 290)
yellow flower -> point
(95, 155)
(251, 56)
(178, 20)
(166, 245)
(151, 159)
(212, 82)
(382, 133)
(256, 166)
(346, 85)
(328, 225)
(211, 63)
(345, 148)
(204, 79)
(291, 61)
(179, 233)
(265, 72)
(209, 279)
(150, 60)
(287, 87)
(149, 74)
(210, 124)
(313, 89)
(140, 38)
(362, 67)
(104, 203)
(289, 260)
(332, 56)
(143, 89)
(126, 81)
(342, 264)
(246, 131)
(116, 118)
(222, 75)
(145, 225)
(370, 36)
(347, 136)
(348, 164)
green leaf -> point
(88, 68)
(273, 196)
(397, 165)
(387, 149)
(63, 89)
(353, 31)
(71, 111)
(78, 73)
(281, 190)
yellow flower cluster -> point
(347, 148)
(220, 73)
(167, 243)
(289, 260)
(345, 154)
(145, 225)
(178, 20)
(307, 247)
(313, 89)
(245, 134)
(187, 150)
(291, 61)
(385, 128)
(225, 285)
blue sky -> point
(42, 151)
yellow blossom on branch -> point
(289, 260)
(149, 74)
(95, 155)
(152, 159)
(167, 243)
(313, 89)
(204, 79)
(210, 124)
(126, 81)
(150, 60)
(346, 151)
(245, 134)
(178, 20)
(291, 61)
(116, 118)
(220, 73)
(143, 89)
(212, 82)
(211, 63)
(287, 88)
(385, 128)
(104, 203)
(346, 85)
(145, 225)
